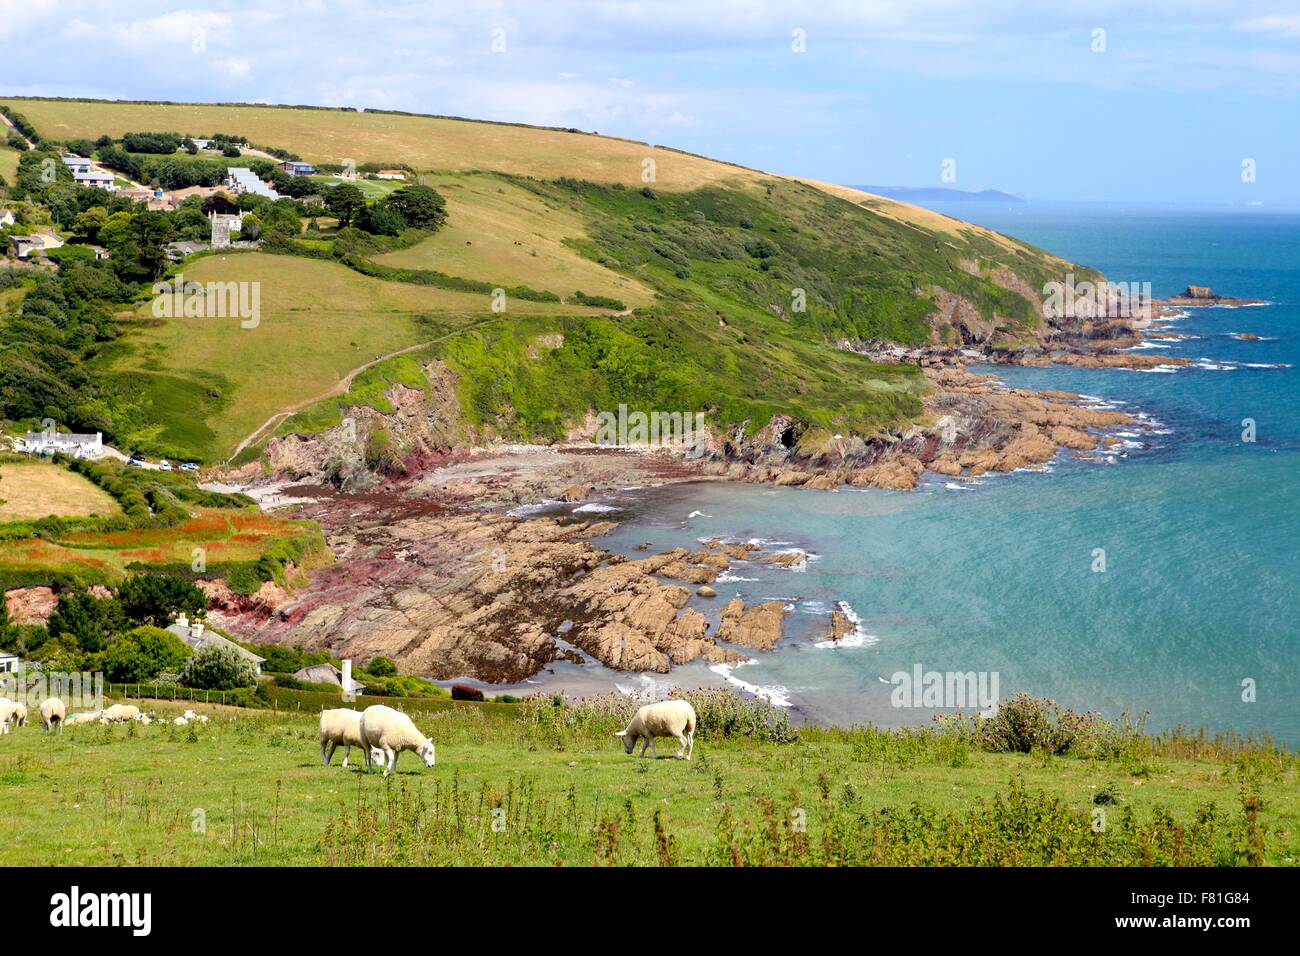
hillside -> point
(713, 287)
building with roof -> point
(197, 636)
(9, 663)
(77, 163)
(243, 180)
(390, 174)
(37, 243)
(326, 674)
(295, 168)
(63, 443)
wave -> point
(726, 577)
(595, 507)
(857, 638)
(775, 694)
(697, 514)
(524, 511)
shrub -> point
(465, 692)
(381, 667)
(144, 653)
(218, 667)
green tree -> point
(421, 207)
(381, 219)
(217, 667)
(89, 620)
(156, 598)
(345, 202)
(381, 667)
(91, 222)
(143, 654)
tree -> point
(90, 222)
(156, 598)
(345, 202)
(421, 207)
(381, 219)
(218, 667)
(89, 620)
(381, 667)
(143, 654)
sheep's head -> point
(629, 740)
(427, 753)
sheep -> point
(181, 721)
(120, 714)
(8, 711)
(88, 718)
(342, 726)
(392, 732)
(20, 714)
(53, 711)
(667, 718)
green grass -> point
(131, 795)
(8, 164)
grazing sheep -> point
(8, 710)
(342, 726)
(392, 732)
(121, 713)
(53, 711)
(88, 718)
(20, 714)
(181, 721)
(668, 718)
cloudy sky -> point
(1100, 100)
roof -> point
(325, 674)
(76, 160)
(91, 174)
(62, 436)
(199, 637)
(249, 182)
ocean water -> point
(1200, 597)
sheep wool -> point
(53, 711)
(667, 718)
(391, 731)
(342, 726)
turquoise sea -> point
(1201, 590)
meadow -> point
(8, 164)
(36, 489)
(203, 384)
(536, 783)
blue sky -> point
(1016, 93)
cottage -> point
(222, 225)
(294, 168)
(24, 246)
(77, 164)
(242, 180)
(64, 443)
(9, 663)
(390, 174)
(94, 178)
(6, 218)
(198, 637)
(176, 251)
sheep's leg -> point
(690, 744)
(367, 755)
(654, 754)
(390, 757)
(681, 739)
(347, 752)
(645, 744)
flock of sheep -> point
(381, 733)
(54, 715)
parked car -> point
(190, 466)
(136, 458)
(164, 465)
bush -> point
(1025, 724)
(218, 667)
(381, 667)
(144, 653)
(465, 692)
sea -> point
(1159, 583)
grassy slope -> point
(8, 164)
(34, 490)
(128, 795)
(507, 235)
(720, 334)
(202, 384)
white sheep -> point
(181, 721)
(667, 718)
(392, 732)
(121, 713)
(342, 726)
(20, 714)
(8, 711)
(53, 711)
(88, 718)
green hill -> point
(711, 287)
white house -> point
(295, 168)
(6, 218)
(242, 180)
(66, 443)
(199, 637)
(37, 243)
(8, 663)
(77, 164)
(94, 178)
(390, 174)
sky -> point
(1194, 101)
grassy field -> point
(249, 788)
(431, 143)
(504, 234)
(37, 489)
(226, 536)
(8, 164)
(206, 383)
